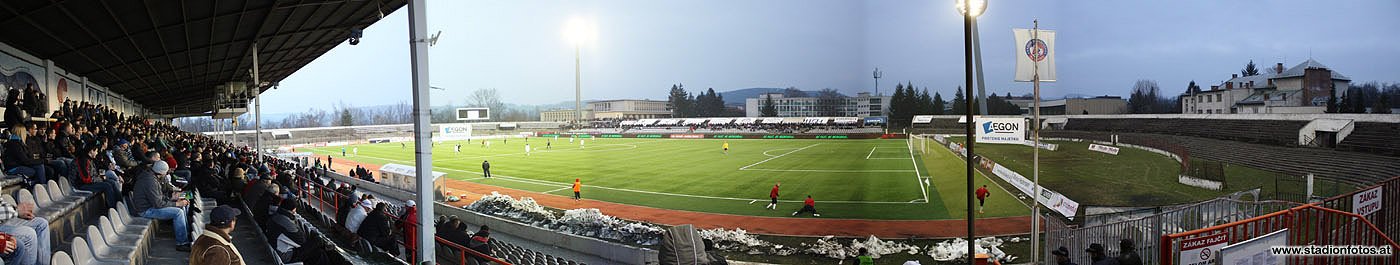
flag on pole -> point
(1035, 47)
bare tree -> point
(487, 98)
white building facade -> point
(861, 105)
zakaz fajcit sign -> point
(1202, 250)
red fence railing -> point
(329, 208)
(1308, 225)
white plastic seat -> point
(68, 187)
(122, 226)
(58, 194)
(61, 258)
(10, 199)
(130, 219)
(116, 238)
(105, 251)
(45, 199)
(82, 254)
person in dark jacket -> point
(14, 114)
(284, 224)
(1098, 256)
(481, 243)
(19, 159)
(90, 178)
(1062, 257)
(375, 228)
(1127, 254)
(147, 201)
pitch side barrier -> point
(726, 136)
(1366, 217)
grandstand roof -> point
(170, 55)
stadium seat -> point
(68, 187)
(129, 219)
(61, 258)
(83, 254)
(58, 195)
(117, 237)
(103, 249)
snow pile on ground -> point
(830, 247)
(957, 249)
(738, 240)
(593, 223)
(584, 222)
(524, 210)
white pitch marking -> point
(776, 157)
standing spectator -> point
(1062, 256)
(346, 197)
(147, 201)
(486, 168)
(1098, 257)
(14, 113)
(982, 195)
(1127, 254)
(578, 186)
(20, 159)
(863, 257)
(773, 196)
(215, 245)
(410, 227)
(808, 205)
(376, 227)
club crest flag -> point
(1035, 47)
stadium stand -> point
(1373, 137)
(1273, 132)
(1349, 167)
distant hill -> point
(736, 97)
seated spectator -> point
(20, 160)
(28, 234)
(480, 242)
(358, 213)
(375, 229)
(148, 201)
(215, 246)
(409, 225)
(90, 178)
(284, 232)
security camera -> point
(355, 35)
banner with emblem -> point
(1035, 47)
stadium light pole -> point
(422, 132)
(970, 9)
(578, 31)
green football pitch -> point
(858, 179)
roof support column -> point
(422, 129)
(257, 106)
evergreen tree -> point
(345, 118)
(681, 102)
(768, 110)
(925, 103)
(938, 104)
(1249, 69)
(897, 107)
(959, 106)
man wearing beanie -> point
(215, 247)
(148, 201)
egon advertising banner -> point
(1001, 130)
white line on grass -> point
(872, 152)
(551, 183)
(554, 190)
(917, 177)
(979, 172)
(776, 157)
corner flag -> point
(1035, 47)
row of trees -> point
(909, 100)
(1147, 98)
(1376, 97)
(705, 104)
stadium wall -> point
(622, 254)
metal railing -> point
(1146, 231)
(1308, 225)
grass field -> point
(862, 179)
(1131, 178)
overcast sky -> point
(643, 47)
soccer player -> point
(726, 147)
(547, 144)
(808, 206)
(578, 186)
(486, 168)
(580, 143)
(356, 151)
(403, 145)
(527, 149)
(773, 195)
(342, 151)
(459, 148)
(982, 195)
